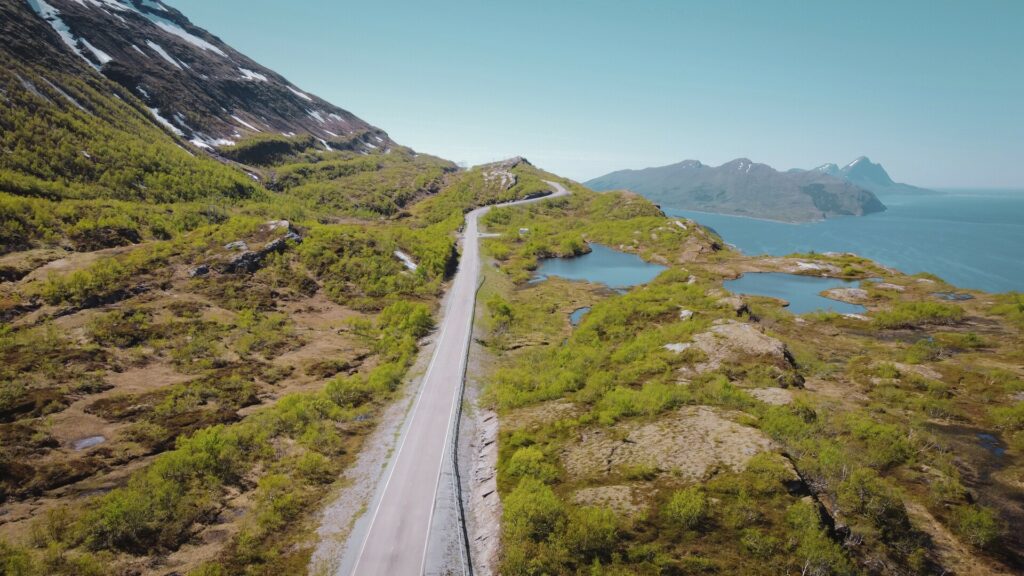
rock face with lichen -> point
(732, 343)
(688, 443)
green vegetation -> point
(863, 454)
(67, 136)
(914, 314)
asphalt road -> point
(396, 540)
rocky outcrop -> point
(248, 254)
(729, 342)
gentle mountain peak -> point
(740, 165)
(859, 160)
(829, 168)
(690, 164)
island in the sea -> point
(745, 188)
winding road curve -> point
(397, 537)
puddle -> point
(992, 444)
(577, 315)
(953, 296)
(88, 442)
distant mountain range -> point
(746, 188)
(870, 176)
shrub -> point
(528, 462)
(686, 509)
(816, 554)
(914, 314)
(317, 468)
(1009, 417)
(887, 444)
(866, 494)
(532, 510)
(1011, 306)
(977, 525)
(590, 532)
(759, 544)
(121, 328)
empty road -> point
(396, 540)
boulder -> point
(251, 251)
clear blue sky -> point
(932, 89)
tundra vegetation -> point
(192, 351)
(886, 445)
(191, 357)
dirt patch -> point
(955, 556)
(689, 443)
(142, 379)
(539, 415)
(773, 396)
(624, 499)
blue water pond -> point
(802, 292)
(602, 266)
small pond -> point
(802, 292)
(602, 266)
(577, 315)
(86, 443)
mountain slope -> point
(68, 132)
(745, 188)
(870, 176)
(194, 85)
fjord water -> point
(802, 292)
(603, 266)
(970, 238)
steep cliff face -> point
(193, 84)
(746, 188)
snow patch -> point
(154, 5)
(407, 261)
(100, 55)
(65, 95)
(52, 16)
(139, 50)
(197, 141)
(246, 124)
(316, 116)
(30, 87)
(163, 53)
(142, 91)
(250, 75)
(165, 122)
(172, 28)
(302, 95)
